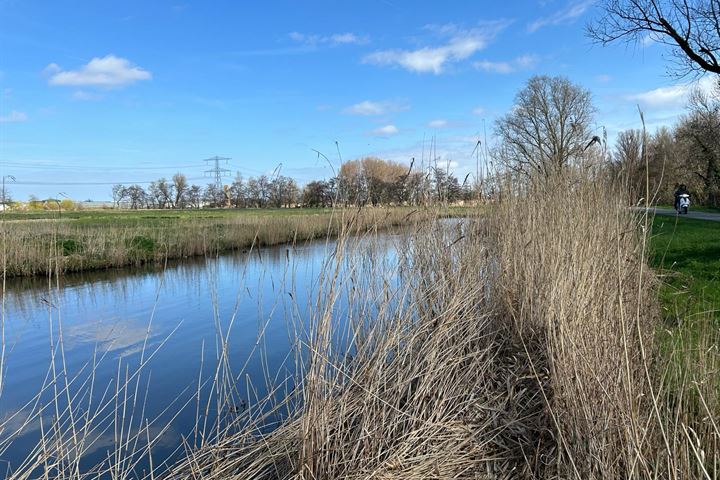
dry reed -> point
(523, 345)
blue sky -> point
(95, 92)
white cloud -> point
(85, 96)
(314, 40)
(368, 107)
(574, 10)
(603, 78)
(349, 38)
(51, 69)
(108, 71)
(460, 45)
(520, 63)
(438, 124)
(386, 131)
(672, 96)
(14, 117)
(478, 111)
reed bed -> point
(526, 344)
(39, 247)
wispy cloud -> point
(346, 38)
(84, 96)
(14, 117)
(108, 72)
(368, 107)
(478, 111)
(459, 44)
(603, 78)
(672, 96)
(438, 124)
(520, 63)
(386, 131)
(572, 11)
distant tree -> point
(137, 196)
(237, 192)
(628, 164)
(154, 196)
(663, 167)
(180, 187)
(194, 196)
(373, 180)
(253, 193)
(214, 196)
(317, 194)
(690, 27)
(263, 188)
(415, 186)
(282, 191)
(166, 193)
(548, 126)
(446, 186)
(119, 192)
(351, 183)
(698, 134)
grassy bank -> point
(696, 208)
(36, 243)
(686, 252)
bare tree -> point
(237, 191)
(548, 126)
(180, 187)
(628, 163)
(690, 27)
(137, 196)
(697, 134)
(194, 196)
(119, 193)
(214, 196)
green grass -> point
(104, 216)
(36, 243)
(697, 208)
(686, 252)
(149, 218)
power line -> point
(145, 182)
(40, 166)
(217, 170)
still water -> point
(108, 321)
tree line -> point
(366, 181)
(687, 153)
(551, 127)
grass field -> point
(37, 243)
(697, 208)
(115, 216)
(686, 252)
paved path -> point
(713, 217)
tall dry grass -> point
(39, 247)
(524, 345)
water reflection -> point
(170, 318)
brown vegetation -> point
(36, 247)
(522, 347)
(519, 346)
